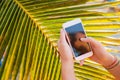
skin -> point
(100, 55)
(66, 58)
(80, 45)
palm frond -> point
(29, 31)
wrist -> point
(109, 60)
(114, 69)
(113, 64)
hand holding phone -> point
(74, 32)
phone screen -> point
(75, 33)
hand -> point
(64, 48)
(66, 58)
(100, 55)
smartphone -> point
(74, 31)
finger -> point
(82, 62)
(90, 40)
(62, 36)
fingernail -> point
(82, 39)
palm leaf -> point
(29, 31)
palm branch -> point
(29, 30)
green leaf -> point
(29, 31)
